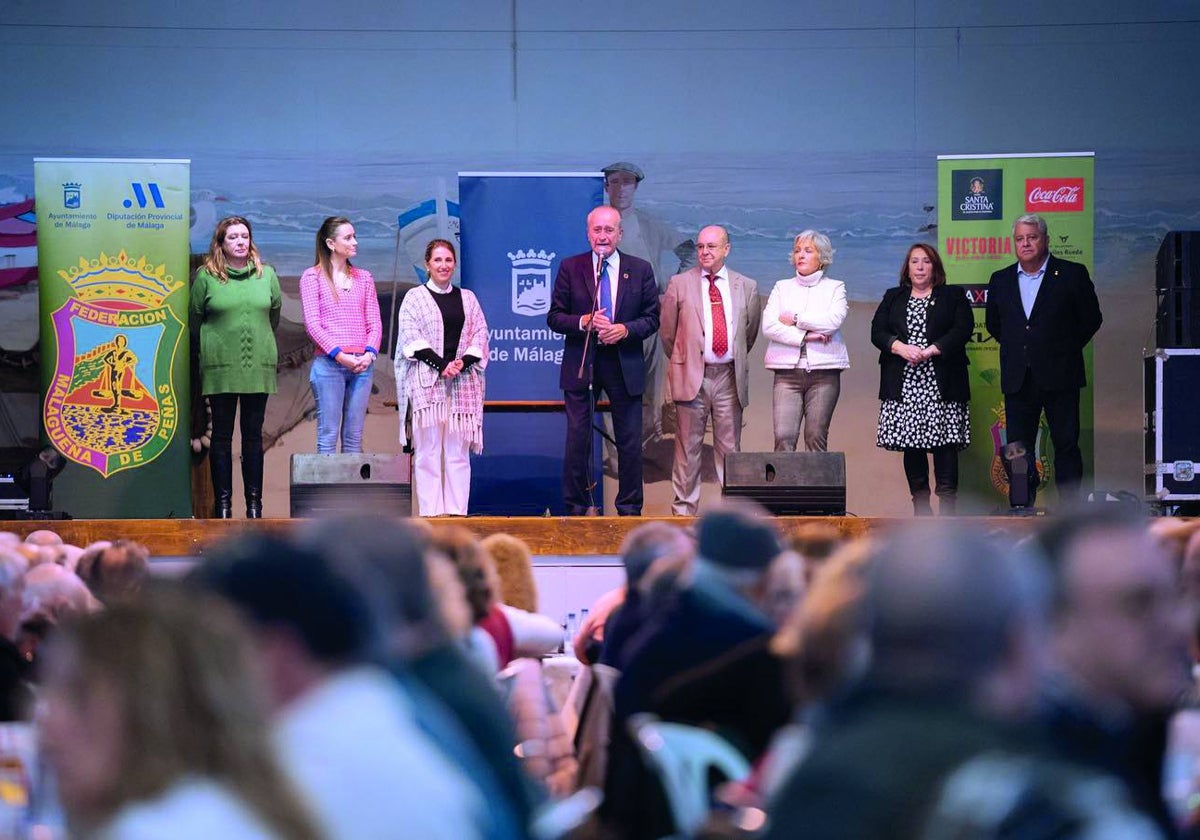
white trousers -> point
(442, 470)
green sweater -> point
(236, 323)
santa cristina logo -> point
(977, 194)
(105, 407)
(531, 282)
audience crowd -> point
(376, 678)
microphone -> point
(600, 258)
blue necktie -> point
(605, 291)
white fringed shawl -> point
(433, 399)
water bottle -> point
(572, 629)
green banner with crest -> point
(112, 275)
(979, 198)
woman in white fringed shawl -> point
(441, 353)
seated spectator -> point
(785, 585)
(44, 546)
(824, 649)
(51, 594)
(346, 730)
(1119, 648)
(43, 537)
(602, 635)
(115, 571)
(716, 610)
(89, 554)
(154, 726)
(514, 568)
(955, 627)
(425, 614)
(514, 633)
(815, 542)
(49, 588)
(68, 556)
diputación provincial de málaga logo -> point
(111, 404)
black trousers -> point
(608, 379)
(1023, 410)
(254, 412)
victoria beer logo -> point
(1053, 195)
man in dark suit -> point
(613, 297)
(1043, 310)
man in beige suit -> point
(709, 321)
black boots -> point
(945, 473)
(220, 464)
(916, 470)
(945, 477)
(252, 479)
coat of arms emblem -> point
(111, 404)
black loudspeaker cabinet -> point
(789, 483)
(1177, 282)
(331, 484)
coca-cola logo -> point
(1054, 195)
(1062, 195)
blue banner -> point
(516, 229)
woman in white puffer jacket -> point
(803, 320)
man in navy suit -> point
(610, 299)
(1043, 311)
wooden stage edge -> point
(568, 536)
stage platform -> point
(561, 536)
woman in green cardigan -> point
(235, 311)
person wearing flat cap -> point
(714, 613)
(668, 251)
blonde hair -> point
(179, 666)
(215, 262)
(822, 640)
(514, 565)
(819, 241)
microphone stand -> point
(589, 362)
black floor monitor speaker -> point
(331, 484)
(789, 483)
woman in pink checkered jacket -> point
(341, 315)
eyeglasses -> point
(709, 246)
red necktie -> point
(720, 335)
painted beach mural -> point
(872, 205)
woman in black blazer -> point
(921, 329)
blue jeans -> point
(341, 397)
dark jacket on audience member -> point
(705, 620)
(1130, 749)
(740, 695)
(876, 765)
(16, 697)
(471, 697)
